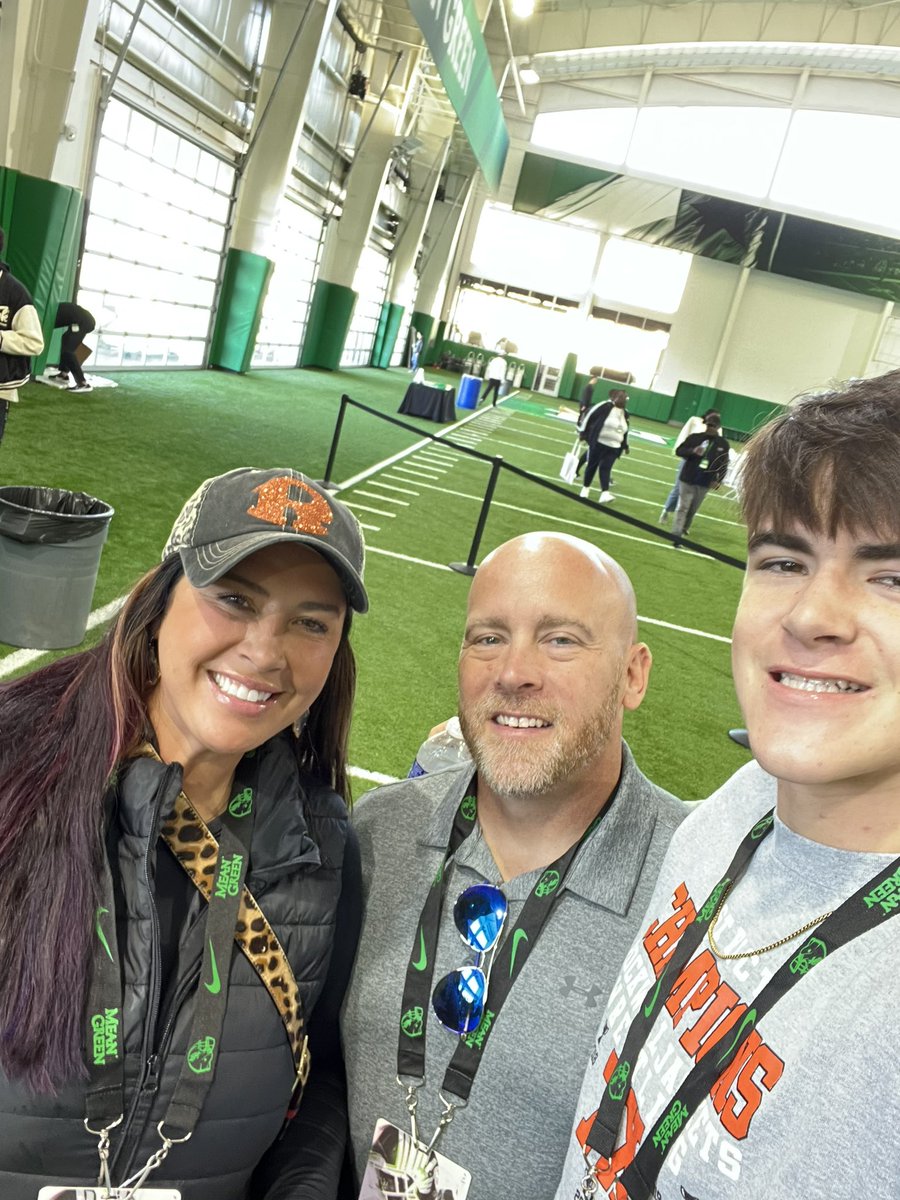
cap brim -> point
(203, 565)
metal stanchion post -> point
(332, 453)
(469, 568)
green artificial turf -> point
(144, 446)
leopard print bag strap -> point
(190, 840)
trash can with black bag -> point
(50, 546)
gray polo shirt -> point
(512, 1135)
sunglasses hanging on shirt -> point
(457, 1001)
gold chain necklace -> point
(765, 949)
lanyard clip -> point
(102, 1136)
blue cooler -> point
(467, 392)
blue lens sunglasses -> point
(458, 999)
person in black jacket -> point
(20, 336)
(705, 457)
(77, 323)
(179, 884)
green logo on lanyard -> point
(619, 1081)
(808, 956)
(762, 826)
(242, 803)
(547, 884)
(412, 1022)
(200, 1056)
(469, 807)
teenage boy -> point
(747, 1045)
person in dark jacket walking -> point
(705, 457)
(20, 337)
(77, 323)
(179, 884)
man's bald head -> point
(548, 665)
(544, 554)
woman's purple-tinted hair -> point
(64, 730)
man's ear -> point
(637, 675)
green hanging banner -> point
(454, 38)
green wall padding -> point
(329, 321)
(386, 334)
(42, 221)
(424, 322)
(239, 310)
(438, 344)
(741, 415)
(567, 378)
(655, 406)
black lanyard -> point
(865, 909)
(104, 1103)
(507, 965)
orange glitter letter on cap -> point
(275, 504)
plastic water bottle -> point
(440, 751)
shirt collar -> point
(608, 866)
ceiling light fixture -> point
(522, 8)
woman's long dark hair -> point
(63, 732)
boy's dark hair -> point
(830, 461)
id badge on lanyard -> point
(103, 1193)
(400, 1167)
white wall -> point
(791, 336)
(785, 337)
(699, 324)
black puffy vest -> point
(296, 860)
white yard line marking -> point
(379, 512)
(391, 488)
(370, 528)
(421, 562)
(22, 658)
(381, 499)
(713, 637)
(416, 474)
(371, 776)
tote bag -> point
(570, 464)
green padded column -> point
(424, 322)
(439, 338)
(42, 221)
(329, 320)
(388, 327)
(567, 378)
(239, 311)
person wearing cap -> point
(179, 883)
(706, 456)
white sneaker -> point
(605, 497)
(584, 493)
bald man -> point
(501, 901)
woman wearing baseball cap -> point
(179, 885)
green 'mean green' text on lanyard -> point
(104, 1102)
(861, 912)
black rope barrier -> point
(499, 464)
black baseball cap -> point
(235, 514)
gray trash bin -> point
(50, 546)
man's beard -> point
(519, 770)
